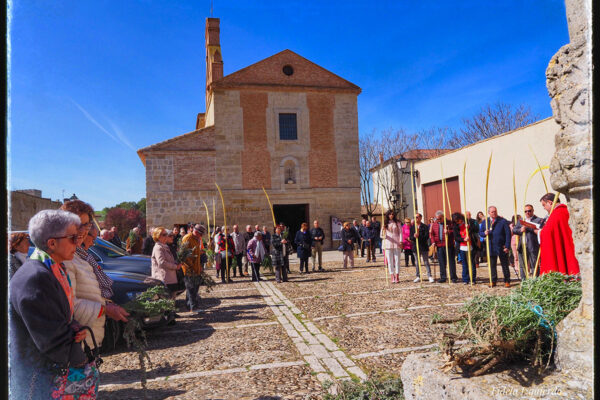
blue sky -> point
(93, 81)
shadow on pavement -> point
(134, 394)
(232, 313)
(126, 376)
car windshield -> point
(108, 249)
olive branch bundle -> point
(153, 302)
(518, 326)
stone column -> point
(569, 83)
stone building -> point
(24, 204)
(283, 123)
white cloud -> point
(117, 136)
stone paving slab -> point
(288, 382)
(267, 339)
(373, 333)
(204, 351)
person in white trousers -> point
(391, 234)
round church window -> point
(288, 70)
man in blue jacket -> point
(499, 236)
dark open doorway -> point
(292, 215)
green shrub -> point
(374, 388)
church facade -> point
(284, 124)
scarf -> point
(260, 250)
(104, 282)
(59, 272)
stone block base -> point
(423, 380)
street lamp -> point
(402, 163)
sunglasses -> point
(73, 238)
(528, 210)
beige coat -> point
(88, 300)
(163, 264)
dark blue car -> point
(113, 258)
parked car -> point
(112, 257)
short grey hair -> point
(438, 213)
(48, 224)
(103, 232)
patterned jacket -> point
(276, 250)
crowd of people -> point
(58, 294)
(233, 253)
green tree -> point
(141, 205)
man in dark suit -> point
(499, 236)
(531, 241)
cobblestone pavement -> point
(282, 341)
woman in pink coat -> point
(391, 233)
(163, 263)
(406, 243)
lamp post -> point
(402, 165)
(394, 199)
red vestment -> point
(556, 244)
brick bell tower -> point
(214, 61)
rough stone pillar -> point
(569, 83)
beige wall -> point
(23, 206)
(506, 148)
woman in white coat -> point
(90, 308)
(391, 233)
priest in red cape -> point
(556, 240)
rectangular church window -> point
(288, 128)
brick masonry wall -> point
(345, 120)
(194, 171)
(256, 171)
(270, 72)
(322, 154)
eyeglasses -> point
(528, 211)
(73, 238)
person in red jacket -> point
(556, 240)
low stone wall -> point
(423, 380)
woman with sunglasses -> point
(19, 247)
(164, 266)
(44, 334)
(90, 306)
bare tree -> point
(435, 140)
(384, 151)
(490, 121)
(368, 159)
